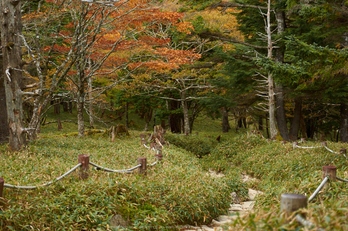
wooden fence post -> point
(290, 202)
(84, 160)
(330, 171)
(2, 182)
(303, 139)
(343, 151)
(142, 168)
(324, 144)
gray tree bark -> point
(186, 113)
(4, 129)
(279, 57)
(271, 98)
(11, 30)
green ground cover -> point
(177, 191)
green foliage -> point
(176, 192)
(200, 146)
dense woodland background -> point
(279, 65)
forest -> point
(257, 74)
(280, 65)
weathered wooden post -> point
(324, 144)
(142, 168)
(290, 203)
(84, 168)
(152, 145)
(330, 171)
(343, 151)
(2, 182)
(303, 139)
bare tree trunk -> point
(186, 113)
(4, 129)
(279, 57)
(11, 30)
(90, 97)
(80, 107)
(271, 98)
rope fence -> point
(293, 202)
(46, 184)
(83, 166)
(323, 145)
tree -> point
(11, 30)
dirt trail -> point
(242, 208)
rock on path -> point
(242, 208)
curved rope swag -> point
(46, 184)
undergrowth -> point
(281, 169)
(175, 192)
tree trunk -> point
(174, 118)
(279, 57)
(80, 107)
(57, 106)
(260, 123)
(271, 104)
(147, 117)
(126, 116)
(11, 30)
(90, 97)
(225, 122)
(295, 123)
(186, 113)
(271, 98)
(344, 123)
(4, 129)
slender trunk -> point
(126, 116)
(344, 123)
(295, 123)
(11, 30)
(174, 118)
(271, 109)
(303, 128)
(260, 123)
(279, 57)
(271, 98)
(186, 113)
(80, 107)
(90, 108)
(4, 129)
(147, 117)
(225, 122)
